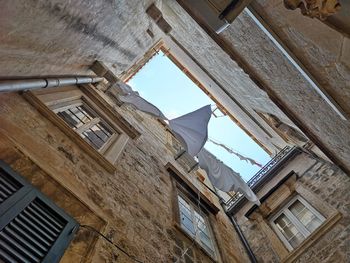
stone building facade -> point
(244, 69)
(320, 185)
(128, 189)
(131, 201)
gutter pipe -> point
(243, 239)
(240, 233)
(236, 226)
(42, 83)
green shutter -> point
(32, 228)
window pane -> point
(305, 216)
(206, 241)
(288, 230)
(97, 135)
(195, 223)
(76, 116)
(70, 119)
(187, 224)
(185, 210)
(296, 240)
(184, 203)
(203, 233)
(186, 216)
(83, 113)
(200, 222)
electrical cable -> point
(111, 242)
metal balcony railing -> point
(260, 175)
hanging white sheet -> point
(223, 177)
(192, 129)
(142, 105)
(127, 95)
(124, 88)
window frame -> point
(116, 132)
(46, 101)
(204, 214)
(295, 221)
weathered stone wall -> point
(226, 72)
(322, 50)
(326, 188)
(133, 206)
(275, 73)
(39, 37)
(64, 37)
(331, 186)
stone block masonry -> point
(326, 187)
(133, 207)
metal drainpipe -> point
(240, 233)
(41, 83)
(237, 228)
(243, 239)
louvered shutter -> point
(32, 228)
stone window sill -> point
(324, 228)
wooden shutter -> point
(32, 228)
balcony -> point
(264, 175)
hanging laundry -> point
(241, 157)
(192, 129)
(223, 177)
(124, 89)
(127, 95)
(142, 105)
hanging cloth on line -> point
(142, 105)
(192, 129)
(241, 157)
(223, 177)
(127, 95)
(124, 89)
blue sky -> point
(162, 83)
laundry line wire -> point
(231, 151)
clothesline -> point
(230, 150)
(192, 131)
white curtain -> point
(223, 177)
(192, 129)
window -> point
(32, 228)
(295, 222)
(92, 128)
(195, 223)
(87, 119)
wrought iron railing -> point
(262, 173)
